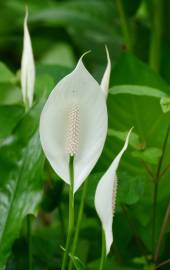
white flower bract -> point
(105, 196)
(106, 77)
(74, 121)
(27, 67)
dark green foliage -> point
(61, 31)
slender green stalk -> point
(124, 25)
(71, 213)
(60, 213)
(103, 251)
(77, 229)
(156, 34)
(162, 264)
(156, 185)
(29, 221)
(162, 232)
(154, 213)
(29, 238)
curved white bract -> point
(106, 77)
(27, 67)
(105, 196)
(77, 97)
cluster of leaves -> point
(138, 97)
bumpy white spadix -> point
(105, 196)
(27, 67)
(74, 123)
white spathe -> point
(105, 197)
(106, 77)
(77, 95)
(27, 67)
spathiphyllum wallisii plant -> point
(73, 129)
(78, 189)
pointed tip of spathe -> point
(82, 56)
(106, 76)
(26, 14)
(108, 55)
(129, 132)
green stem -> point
(162, 232)
(77, 229)
(29, 238)
(71, 213)
(103, 251)
(154, 214)
(156, 185)
(124, 25)
(156, 33)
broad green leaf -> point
(5, 74)
(57, 72)
(139, 111)
(130, 188)
(137, 90)
(60, 54)
(20, 195)
(93, 13)
(131, 71)
(10, 94)
(9, 116)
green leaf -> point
(57, 72)
(137, 90)
(131, 110)
(60, 54)
(20, 195)
(10, 94)
(150, 155)
(5, 74)
(9, 116)
(95, 14)
(130, 188)
(131, 71)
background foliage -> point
(138, 39)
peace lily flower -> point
(74, 123)
(27, 67)
(105, 197)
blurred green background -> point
(139, 44)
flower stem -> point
(29, 238)
(77, 229)
(103, 252)
(156, 33)
(124, 24)
(71, 213)
(162, 232)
